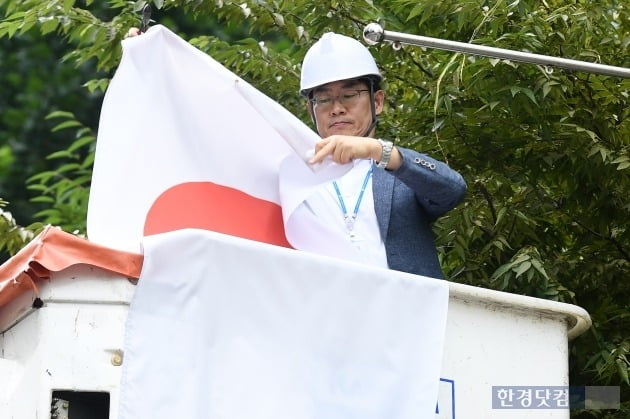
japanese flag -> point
(185, 143)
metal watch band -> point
(387, 153)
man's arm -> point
(345, 148)
(438, 188)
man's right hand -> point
(133, 32)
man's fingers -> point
(133, 32)
(342, 149)
(341, 155)
(321, 151)
(321, 144)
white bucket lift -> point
(66, 355)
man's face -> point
(343, 107)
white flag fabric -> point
(185, 143)
(222, 327)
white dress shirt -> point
(365, 235)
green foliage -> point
(65, 189)
(546, 152)
(96, 39)
(33, 82)
(12, 236)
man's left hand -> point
(345, 148)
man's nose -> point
(337, 106)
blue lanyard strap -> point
(350, 219)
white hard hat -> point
(336, 57)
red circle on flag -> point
(209, 206)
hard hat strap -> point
(372, 108)
(311, 109)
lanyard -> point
(350, 219)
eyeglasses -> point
(347, 98)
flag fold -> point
(222, 327)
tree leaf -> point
(66, 124)
(522, 268)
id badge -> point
(356, 239)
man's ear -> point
(379, 101)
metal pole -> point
(374, 33)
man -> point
(386, 203)
(388, 200)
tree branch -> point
(486, 195)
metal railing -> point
(374, 34)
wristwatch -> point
(387, 153)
